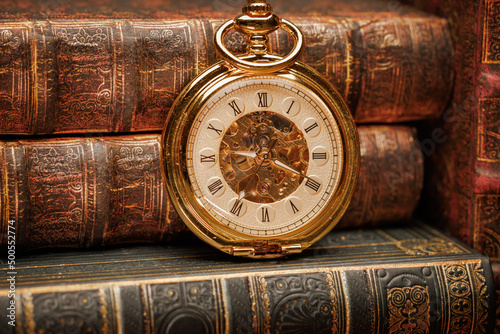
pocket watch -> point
(260, 154)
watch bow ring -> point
(260, 153)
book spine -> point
(426, 297)
(80, 76)
(390, 180)
(464, 183)
(89, 192)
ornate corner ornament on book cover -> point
(260, 153)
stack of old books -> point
(92, 243)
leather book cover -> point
(463, 187)
(394, 280)
(100, 191)
(88, 67)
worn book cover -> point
(117, 67)
(398, 280)
(97, 191)
(463, 183)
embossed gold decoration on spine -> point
(260, 304)
(481, 295)
(409, 310)
(340, 318)
(467, 303)
(264, 298)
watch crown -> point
(257, 8)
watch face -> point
(264, 156)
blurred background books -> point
(85, 88)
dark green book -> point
(396, 280)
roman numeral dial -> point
(235, 107)
(265, 214)
(313, 185)
(262, 156)
(311, 127)
(216, 186)
(320, 156)
(290, 107)
(293, 206)
(263, 99)
(215, 128)
(237, 207)
(207, 158)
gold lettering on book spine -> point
(409, 310)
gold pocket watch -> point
(260, 153)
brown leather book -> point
(463, 188)
(98, 191)
(85, 67)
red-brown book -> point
(85, 67)
(98, 191)
(463, 188)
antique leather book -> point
(86, 67)
(95, 191)
(463, 188)
(394, 280)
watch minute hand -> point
(290, 169)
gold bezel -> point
(174, 166)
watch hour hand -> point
(244, 153)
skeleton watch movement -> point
(260, 153)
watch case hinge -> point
(267, 249)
